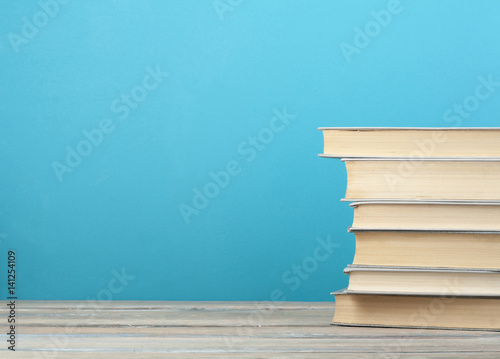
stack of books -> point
(427, 226)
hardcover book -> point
(410, 142)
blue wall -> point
(166, 150)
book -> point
(426, 215)
(451, 249)
(410, 142)
(423, 179)
(417, 311)
(423, 280)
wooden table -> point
(48, 329)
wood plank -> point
(223, 329)
(262, 355)
(112, 305)
(252, 343)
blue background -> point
(229, 71)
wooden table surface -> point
(49, 329)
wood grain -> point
(221, 330)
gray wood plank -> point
(223, 329)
